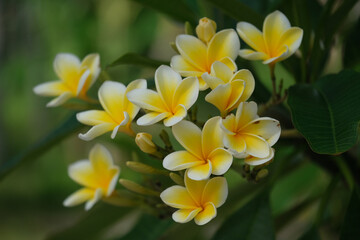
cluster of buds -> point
(205, 61)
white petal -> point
(96, 131)
(151, 118)
(60, 100)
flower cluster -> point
(206, 61)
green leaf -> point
(69, 127)
(136, 59)
(175, 9)
(350, 229)
(251, 222)
(239, 11)
(327, 114)
(149, 228)
(93, 223)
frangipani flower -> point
(198, 199)
(277, 42)
(197, 55)
(118, 111)
(204, 154)
(228, 88)
(249, 136)
(75, 78)
(171, 101)
(98, 175)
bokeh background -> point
(31, 34)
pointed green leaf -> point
(251, 222)
(69, 127)
(136, 59)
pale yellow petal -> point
(195, 188)
(83, 84)
(275, 25)
(236, 145)
(206, 215)
(185, 215)
(51, 89)
(193, 51)
(237, 90)
(181, 160)
(97, 130)
(179, 64)
(147, 99)
(202, 84)
(230, 63)
(252, 36)
(101, 159)
(189, 136)
(151, 118)
(212, 81)
(178, 197)
(279, 55)
(111, 96)
(246, 112)
(83, 173)
(128, 106)
(60, 99)
(92, 62)
(252, 55)
(292, 39)
(211, 136)
(97, 196)
(225, 43)
(80, 196)
(180, 114)
(219, 97)
(254, 161)
(200, 172)
(215, 191)
(94, 117)
(166, 81)
(228, 125)
(266, 128)
(221, 161)
(256, 146)
(249, 80)
(186, 93)
(67, 66)
(222, 71)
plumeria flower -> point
(198, 199)
(198, 54)
(75, 78)
(228, 88)
(118, 111)
(204, 154)
(171, 101)
(249, 136)
(277, 42)
(98, 175)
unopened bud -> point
(206, 29)
(145, 143)
(144, 168)
(134, 187)
(261, 174)
(177, 179)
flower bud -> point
(206, 29)
(145, 143)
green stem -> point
(290, 133)
(345, 171)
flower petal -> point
(189, 136)
(54, 88)
(60, 99)
(92, 62)
(151, 118)
(247, 76)
(254, 161)
(215, 191)
(252, 55)
(83, 173)
(101, 159)
(222, 71)
(180, 160)
(291, 38)
(266, 128)
(221, 161)
(200, 172)
(211, 137)
(228, 125)
(185, 215)
(97, 196)
(256, 146)
(166, 81)
(180, 114)
(94, 117)
(128, 106)
(225, 43)
(83, 83)
(219, 97)
(275, 25)
(97, 130)
(251, 35)
(237, 89)
(246, 112)
(193, 51)
(177, 197)
(67, 66)
(186, 93)
(236, 144)
(179, 64)
(212, 81)
(124, 124)
(230, 63)
(147, 99)
(195, 188)
(80, 196)
(206, 215)
(111, 96)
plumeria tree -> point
(245, 102)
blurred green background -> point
(31, 34)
